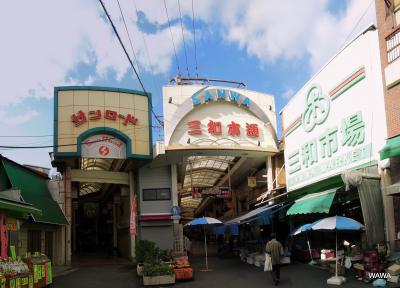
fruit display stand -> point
(14, 273)
(40, 266)
(182, 269)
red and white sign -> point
(132, 222)
(103, 146)
(217, 129)
(213, 118)
(80, 117)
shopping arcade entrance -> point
(207, 178)
(102, 136)
(100, 197)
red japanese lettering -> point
(128, 119)
(234, 129)
(252, 130)
(79, 118)
(95, 115)
(214, 128)
(194, 127)
(110, 115)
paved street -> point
(226, 273)
(115, 275)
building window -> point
(393, 46)
(156, 194)
(34, 241)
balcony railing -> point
(393, 45)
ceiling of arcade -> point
(199, 172)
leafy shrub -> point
(157, 269)
(146, 251)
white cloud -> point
(45, 40)
(272, 30)
(42, 41)
(288, 93)
(14, 120)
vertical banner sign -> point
(132, 224)
(251, 181)
(3, 237)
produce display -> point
(182, 268)
(14, 273)
(40, 267)
(30, 272)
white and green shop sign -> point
(331, 131)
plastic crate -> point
(183, 273)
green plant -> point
(145, 251)
(164, 255)
(157, 269)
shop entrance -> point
(100, 211)
(224, 187)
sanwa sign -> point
(336, 122)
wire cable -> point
(172, 38)
(129, 37)
(194, 42)
(145, 45)
(183, 38)
(127, 55)
(54, 146)
(122, 45)
(146, 49)
(358, 22)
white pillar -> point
(174, 187)
(269, 173)
(131, 195)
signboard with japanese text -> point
(213, 117)
(336, 122)
(84, 112)
(103, 146)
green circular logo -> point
(316, 109)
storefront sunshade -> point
(313, 203)
(391, 148)
(34, 190)
(252, 215)
(17, 207)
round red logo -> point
(104, 150)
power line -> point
(25, 136)
(194, 40)
(183, 38)
(146, 49)
(122, 45)
(65, 134)
(172, 38)
(127, 55)
(145, 45)
(358, 22)
(129, 37)
(54, 146)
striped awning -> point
(313, 203)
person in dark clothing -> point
(275, 249)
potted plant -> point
(158, 273)
(145, 251)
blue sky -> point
(274, 47)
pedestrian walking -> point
(275, 249)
